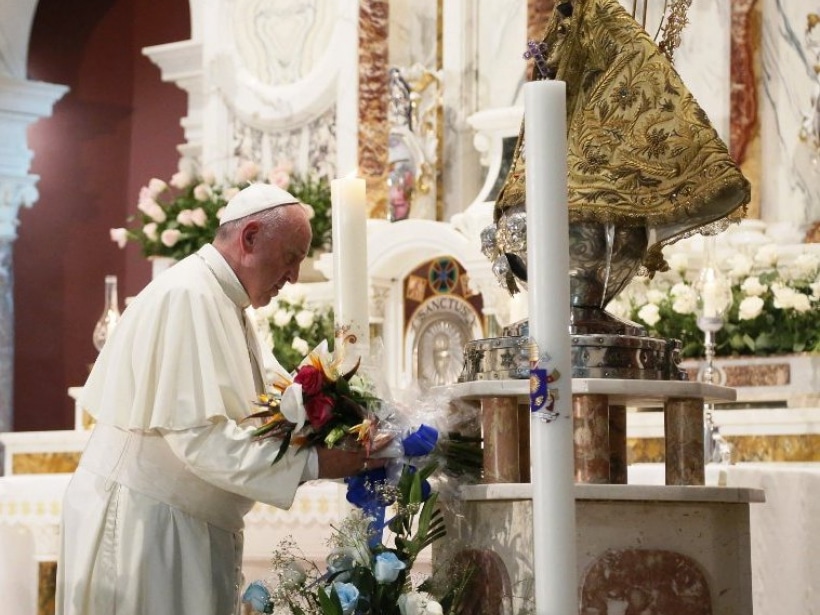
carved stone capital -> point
(15, 192)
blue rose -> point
(258, 596)
(421, 442)
(387, 567)
(348, 596)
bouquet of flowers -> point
(774, 308)
(178, 217)
(318, 404)
(364, 573)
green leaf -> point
(283, 447)
(331, 605)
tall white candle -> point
(551, 439)
(350, 279)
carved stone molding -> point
(21, 104)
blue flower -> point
(421, 442)
(387, 567)
(348, 596)
(259, 597)
(365, 491)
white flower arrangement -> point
(773, 310)
(292, 327)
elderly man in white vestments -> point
(153, 516)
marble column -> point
(374, 94)
(683, 429)
(617, 445)
(590, 415)
(499, 424)
(22, 102)
(789, 87)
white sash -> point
(145, 463)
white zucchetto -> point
(255, 198)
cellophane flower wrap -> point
(396, 515)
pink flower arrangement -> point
(176, 218)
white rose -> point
(618, 307)
(300, 345)
(801, 303)
(655, 296)
(155, 186)
(181, 179)
(169, 237)
(805, 266)
(417, 603)
(815, 290)
(678, 262)
(739, 265)
(229, 193)
(685, 299)
(184, 217)
(752, 287)
(749, 308)
(766, 256)
(309, 211)
(199, 217)
(119, 235)
(209, 177)
(433, 608)
(411, 604)
(281, 318)
(150, 231)
(202, 193)
(784, 297)
(220, 213)
(650, 314)
(305, 318)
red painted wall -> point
(116, 127)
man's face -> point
(275, 256)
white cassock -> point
(153, 516)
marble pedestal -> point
(599, 416)
(670, 549)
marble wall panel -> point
(414, 35)
(790, 182)
(502, 41)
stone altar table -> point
(677, 549)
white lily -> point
(292, 405)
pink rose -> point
(311, 379)
(184, 217)
(199, 217)
(319, 409)
(155, 186)
(247, 171)
(120, 236)
(279, 177)
(169, 237)
(202, 193)
(181, 179)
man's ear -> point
(249, 235)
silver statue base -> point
(629, 355)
